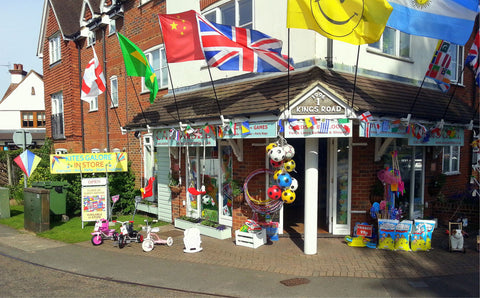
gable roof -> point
(14, 86)
(267, 95)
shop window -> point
(238, 13)
(393, 42)
(451, 159)
(54, 48)
(158, 61)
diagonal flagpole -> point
(138, 100)
(355, 78)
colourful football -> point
(288, 196)
(271, 146)
(294, 185)
(277, 154)
(289, 165)
(276, 164)
(274, 192)
(277, 172)
(289, 151)
(284, 180)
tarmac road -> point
(167, 271)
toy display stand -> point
(192, 240)
(249, 239)
(455, 243)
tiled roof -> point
(268, 95)
(68, 14)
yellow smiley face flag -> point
(353, 21)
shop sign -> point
(448, 136)
(88, 163)
(382, 129)
(94, 199)
(325, 128)
(256, 130)
(166, 138)
(317, 102)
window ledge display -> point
(213, 232)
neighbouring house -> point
(22, 109)
(208, 130)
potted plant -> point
(173, 184)
(237, 192)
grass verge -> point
(70, 231)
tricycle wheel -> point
(169, 241)
(97, 240)
(147, 245)
(121, 241)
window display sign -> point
(94, 199)
(448, 136)
(252, 130)
(323, 128)
(175, 138)
(382, 129)
(88, 163)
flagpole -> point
(173, 90)
(355, 78)
(418, 93)
(453, 93)
(138, 100)
(214, 91)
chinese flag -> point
(180, 35)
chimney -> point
(17, 74)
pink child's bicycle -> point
(102, 232)
(152, 238)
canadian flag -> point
(93, 83)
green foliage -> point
(123, 184)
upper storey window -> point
(54, 48)
(238, 13)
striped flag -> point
(439, 68)
(294, 124)
(324, 125)
(472, 58)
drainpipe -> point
(329, 57)
(77, 44)
(106, 93)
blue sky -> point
(19, 30)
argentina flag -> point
(450, 20)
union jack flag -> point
(472, 58)
(234, 48)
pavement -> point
(279, 268)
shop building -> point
(337, 161)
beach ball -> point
(277, 154)
(274, 192)
(284, 180)
(289, 165)
(289, 151)
(288, 196)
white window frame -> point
(397, 48)
(215, 15)
(112, 27)
(114, 91)
(93, 104)
(92, 38)
(448, 160)
(160, 70)
(54, 48)
(457, 77)
(57, 103)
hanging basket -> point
(175, 189)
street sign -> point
(20, 137)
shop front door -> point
(339, 181)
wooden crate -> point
(252, 240)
